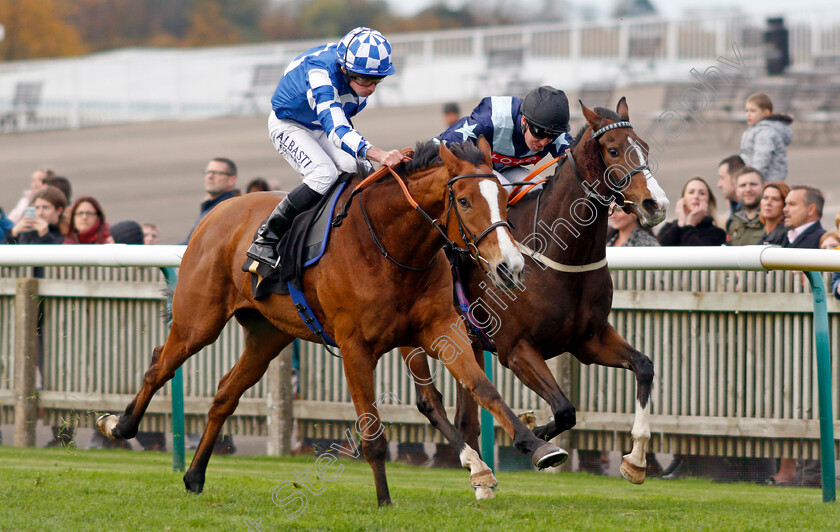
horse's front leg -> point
(359, 364)
(452, 346)
(610, 349)
(530, 367)
(429, 404)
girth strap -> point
(566, 268)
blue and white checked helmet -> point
(366, 52)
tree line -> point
(58, 28)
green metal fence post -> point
(824, 385)
(488, 434)
(177, 384)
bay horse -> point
(380, 285)
(564, 307)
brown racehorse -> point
(564, 307)
(368, 302)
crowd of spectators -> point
(44, 214)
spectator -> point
(764, 143)
(694, 225)
(772, 203)
(257, 184)
(451, 113)
(626, 231)
(219, 183)
(25, 200)
(43, 227)
(830, 240)
(727, 170)
(127, 232)
(744, 226)
(803, 210)
(151, 235)
(5, 224)
(87, 223)
(61, 183)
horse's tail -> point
(166, 314)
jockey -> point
(310, 124)
(520, 132)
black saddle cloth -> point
(299, 248)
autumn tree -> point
(37, 28)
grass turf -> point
(68, 489)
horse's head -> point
(616, 161)
(477, 212)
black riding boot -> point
(264, 248)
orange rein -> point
(517, 194)
(381, 171)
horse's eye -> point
(613, 152)
(464, 202)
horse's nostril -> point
(650, 205)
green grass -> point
(68, 489)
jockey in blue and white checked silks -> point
(520, 132)
(310, 126)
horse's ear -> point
(592, 160)
(621, 109)
(484, 146)
(591, 118)
(449, 158)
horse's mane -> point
(427, 155)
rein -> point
(469, 237)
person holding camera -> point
(39, 223)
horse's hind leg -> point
(429, 404)
(185, 339)
(610, 349)
(262, 344)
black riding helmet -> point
(547, 108)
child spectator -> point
(764, 143)
(28, 196)
(151, 235)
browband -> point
(610, 127)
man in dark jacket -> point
(803, 210)
(219, 183)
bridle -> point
(590, 189)
(471, 240)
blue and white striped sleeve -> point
(326, 102)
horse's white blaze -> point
(641, 435)
(490, 191)
(656, 191)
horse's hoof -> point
(633, 473)
(483, 493)
(483, 479)
(106, 425)
(193, 486)
(548, 455)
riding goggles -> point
(365, 81)
(542, 133)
